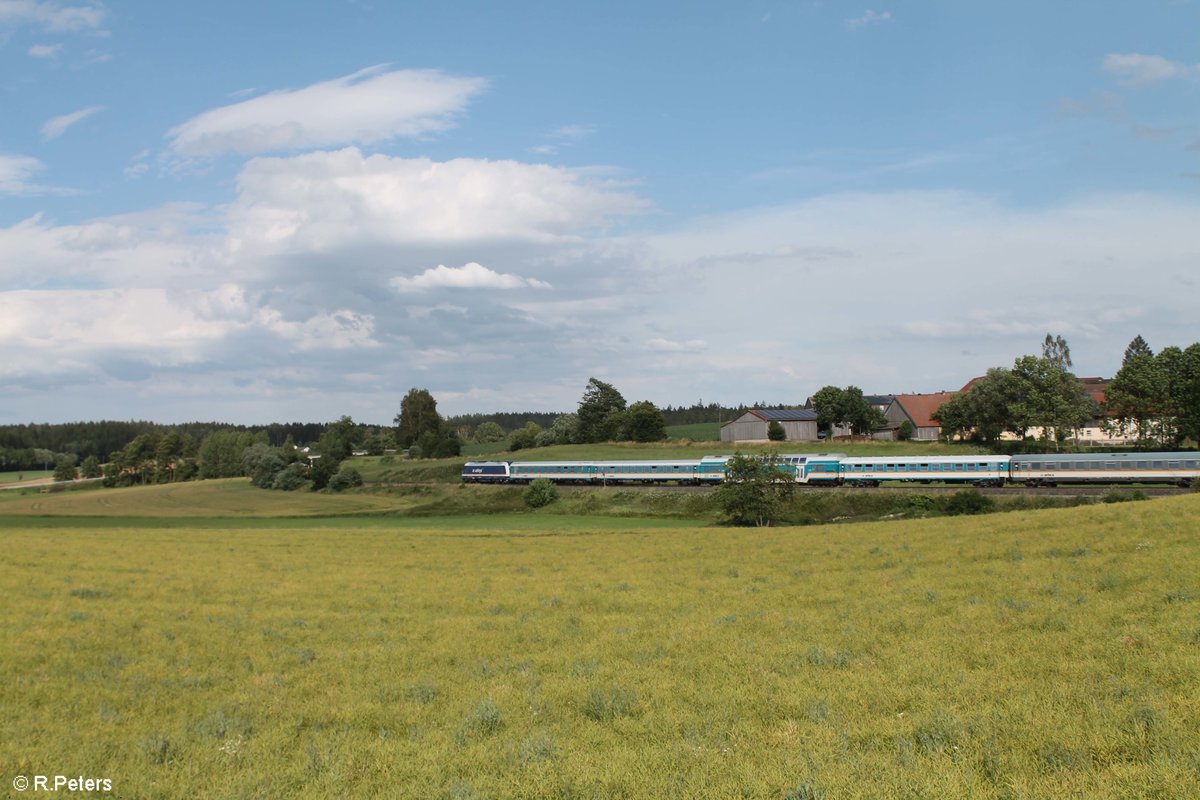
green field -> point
(1049, 654)
(24, 477)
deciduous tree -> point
(600, 412)
(418, 416)
(755, 490)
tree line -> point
(1155, 399)
(603, 415)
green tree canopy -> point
(488, 432)
(64, 468)
(418, 416)
(645, 423)
(601, 412)
(829, 403)
(755, 490)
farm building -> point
(917, 409)
(799, 424)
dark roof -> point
(785, 414)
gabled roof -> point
(919, 407)
(1093, 386)
(785, 414)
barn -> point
(918, 409)
(799, 424)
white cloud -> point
(45, 50)
(372, 105)
(317, 200)
(15, 172)
(468, 276)
(51, 16)
(57, 126)
(573, 131)
(1135, 69)
(869, 17)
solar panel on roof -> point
(786, 414)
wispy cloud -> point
(45, 50)
(468, 276)
(370, 106)
(51, 16)
(869, 17)
(56, 127)
(15, 172)
(1136, 69)
(573, 131)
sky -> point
(279, 211)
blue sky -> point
(278, 211)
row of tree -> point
(1039, 393)
(602, 416)
(1156, 398)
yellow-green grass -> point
(233, 497)
(27, 476)
(1053, 654)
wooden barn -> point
(799, 424)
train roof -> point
(923, 459)
(625, 463)
(1176, 456)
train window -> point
(1191, 464)
(1158, 465)
(1172, 465)
(1112, 465)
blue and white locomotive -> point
(836, 469)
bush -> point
(905, 431)
(969, 501)
(540, 493)
(290, 478)
(1119, 496)
(346, 478)
(775, 431)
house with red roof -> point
(917, 410)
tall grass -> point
(1040, 655)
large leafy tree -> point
(418, 416)
(1053, 400)
(601, 412)
(857, 413)
(755, 490)
(1136, 398)
(987, 410)
(1185, 387)
(489, 432)
(829, 403)
(645, 423)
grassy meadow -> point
(1044, 654)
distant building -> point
(917, 410)
(799, 424)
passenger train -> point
(836, 469)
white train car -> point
(981, 470)
(1051, 469)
